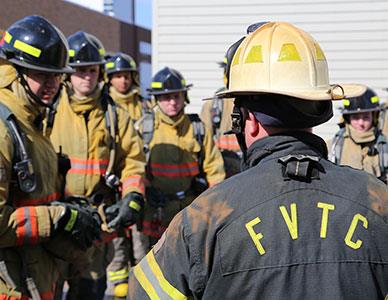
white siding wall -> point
(192, 36)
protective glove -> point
(81, 223)
(125, 212)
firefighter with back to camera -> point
(292, 225)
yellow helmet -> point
(279, 58)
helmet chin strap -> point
(238, 127)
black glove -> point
(125, 212)
(81, 223)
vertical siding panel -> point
(192, 36)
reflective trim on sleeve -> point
(118, 275)
(144, 282)
(134, 181)
(27, 226)
(153, 275)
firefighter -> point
(216, 114)
(107, 162)
(182, 160)
(35, 228)
(124, 88)
(123, 77)
(359, 143)
(291, 225)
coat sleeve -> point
(164, 273)
(26, 225)
(130, 159)
(213, 163)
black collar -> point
(279, 145)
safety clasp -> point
(301, 167)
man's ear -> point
(252, 127)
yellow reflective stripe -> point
(236, 57)
(134, 205)
(156, 84)
(101, 51)
(164, 284)
(31, 50)
(183, 82)
(117, 275)
(255, 55)
(288, 53)
(319, 53)
(7, 37)
(225, 61)
(110, 65)
(144, 282)
(73, 218)
(375, 99)
(346, 102)
(133, 64)
(71, 52)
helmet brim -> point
(163, 92)
(347, 91)
(356, 111)
(26, 65)
(86, 64)
(121, 70)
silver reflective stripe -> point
(27, 225)
(153, 280)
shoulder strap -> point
(382, 148)
(147, 134)
(216, 114)
(382, 118)
(110, 116)
(22, 164)
(336, 147)
(199, 134)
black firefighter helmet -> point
(34, 43)
(120, 62)
(369, 101)
(85, 50)
(167, 81)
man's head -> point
(122, 72)
(279, 73)
(39, 52)
(362, 112)
(86, 58)
(170, 91)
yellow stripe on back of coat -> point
(153, 275)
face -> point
(171, 104)
(85, 80)
(362, 121)
(121, 81)
(44, 85)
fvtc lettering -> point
(290, 218)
